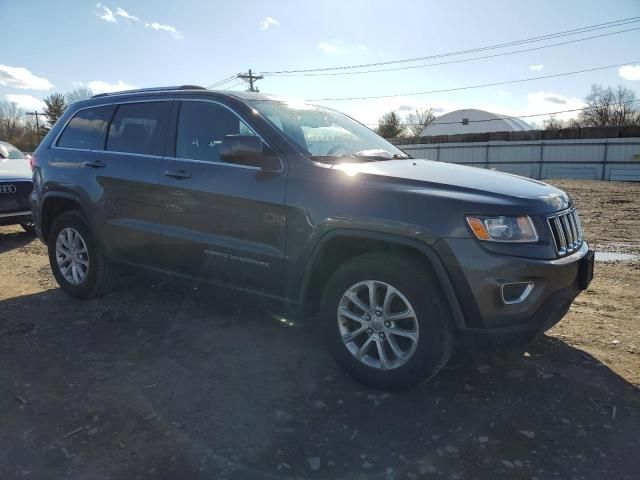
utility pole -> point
(250, 77)
(36, 114)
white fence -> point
(593, 159)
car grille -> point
(14, 196)
(567, 231)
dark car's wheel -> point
(77, 263)
(28, 227)
(386, 322)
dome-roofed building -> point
(467, 121)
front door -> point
(226, 222)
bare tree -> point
(10, 116)
(607, 107)
(16, 128)
(390, 126)
(77, 95)
(416, 122)
(553, 123)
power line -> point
(469, 87)
(250, 78)
(575, 31)
(223, 81)
(411, 67)
(233, 85)
(515, 117)
(36, 114)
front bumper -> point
(478, 276)
(13, 218)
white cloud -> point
(19, 77)
(105, 13)
(329, 47)
(100, 86)
(536, 68)
(166, 28)
(124, 14)
(269, 22)
(335, 46)
(538, 102)
(26, 102)
(108, 15)
(630, 72)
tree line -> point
(21, 129)
(605, 107)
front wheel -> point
(386, 322)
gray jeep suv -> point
(401, 260)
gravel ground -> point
(166, 380)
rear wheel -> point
(385, 321)
(76, 260)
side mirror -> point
(249, 150)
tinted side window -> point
(86, 129)
(139, 128)
(201, 128)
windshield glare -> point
(322, 132)
(11, 152)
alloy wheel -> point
(378, 325)
(72, 256)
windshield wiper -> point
(346, 158)
(381, 158)
(354, 156)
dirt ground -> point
(167, 380)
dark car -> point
(15, 188)
(401, 260)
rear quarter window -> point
(139, 128)
(87, 129)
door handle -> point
(94, 164)
(179, 174)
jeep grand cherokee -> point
(401, 260)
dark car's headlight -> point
(503, 229)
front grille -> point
(566, 230)
(17, 201)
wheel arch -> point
(339, 245)
(53, 205)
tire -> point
(99, 275)
(28, 227)
(411, 362)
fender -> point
(430, 254)
(64, 195)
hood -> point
(470, 181)
(15, 169)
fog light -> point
(516, 292)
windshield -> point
(9, 151)
(324, 133)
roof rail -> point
(153, 89)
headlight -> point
(503, 229)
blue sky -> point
(52, 46)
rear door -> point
(227, 223)
(130, 171)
